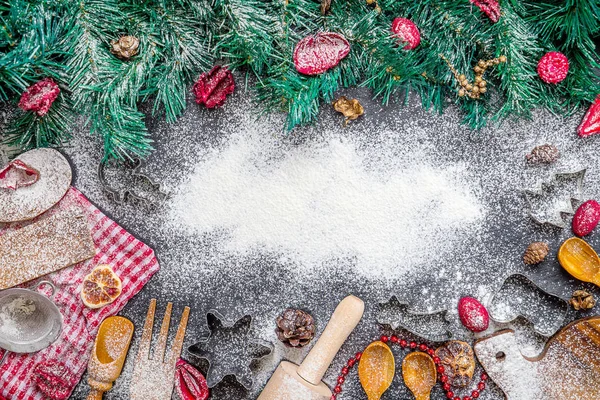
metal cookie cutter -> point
(29, 321)
(543, 196)
(125, 182)
(432, 326)
(230, 349)
(520, 296)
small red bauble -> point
(491, 8)
(586, 218)
(54, 380)
(473, 314)
(212, 88)
(553, 67)
(316, 54)
(406, 30)
(39, 97)
(190, 384)
(590, 125)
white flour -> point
(320, 202)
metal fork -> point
(153, 376)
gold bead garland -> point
(479, 86)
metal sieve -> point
(29, 321)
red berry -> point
(484, 376)
(449, 395)
(431, 352)
(456, 398)
(440, 369)
(491, 8)
(446, 387)
(443, 379)
(318, 53)
(384, 339)
(481, 386)
(422, 347)
(351, 362)
(345, 371)
(341, 379)
(413, 345)
(333, 397)
(337, 389)
(466, 398)
(437, 360)
(590, 125)
(394, 339)
(473, 314)
(357, 356)
(586, 218)
(403, 343)
(407, 32)
(475, 394)
(553, 67)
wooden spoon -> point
(420, 375)
(376, 369)
(579, 259)
(108, 355)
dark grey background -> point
(258, 285)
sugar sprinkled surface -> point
(223, 267)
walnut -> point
(582, 300)
(458, 361)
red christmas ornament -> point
(212, 88)
(316, 54)
(491, 8)
(553, 67)
(17, 174)
(591, 121)
(39, 96)
(406, 30)
(586, 218)
(473, 314)
(54, 380)
(189, 382)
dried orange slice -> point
(101, 287)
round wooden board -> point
(28, 202)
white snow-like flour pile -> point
(314, 203)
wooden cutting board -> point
(567, 369)
(43, 247)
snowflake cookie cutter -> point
(433, 326)
(520, 297)
(556, 219)
(127, 183)
(230, 349)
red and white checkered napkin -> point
(133, 262)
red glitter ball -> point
(316, 54)
(39, 96)
(406, 30)
(590, 125)
(586, 218)
(553, 67)
(212, 88)
(54, 380)
(473, 314)
(491, 8)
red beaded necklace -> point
(411, 346)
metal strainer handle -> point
(4, 357)
(40, 283)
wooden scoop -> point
(418, 370)
(579, 259)
(376, 369)
(108, 355)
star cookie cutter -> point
(519, 296)
(125, 183)
(230, 349)
(555, 216)
(432, 326)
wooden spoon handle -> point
(95, 395)
(343, 321)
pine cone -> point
(295, 328)
(536, 253)
(126, 47)
(582, 300)
(544, 154)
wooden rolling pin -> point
(292, 382)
